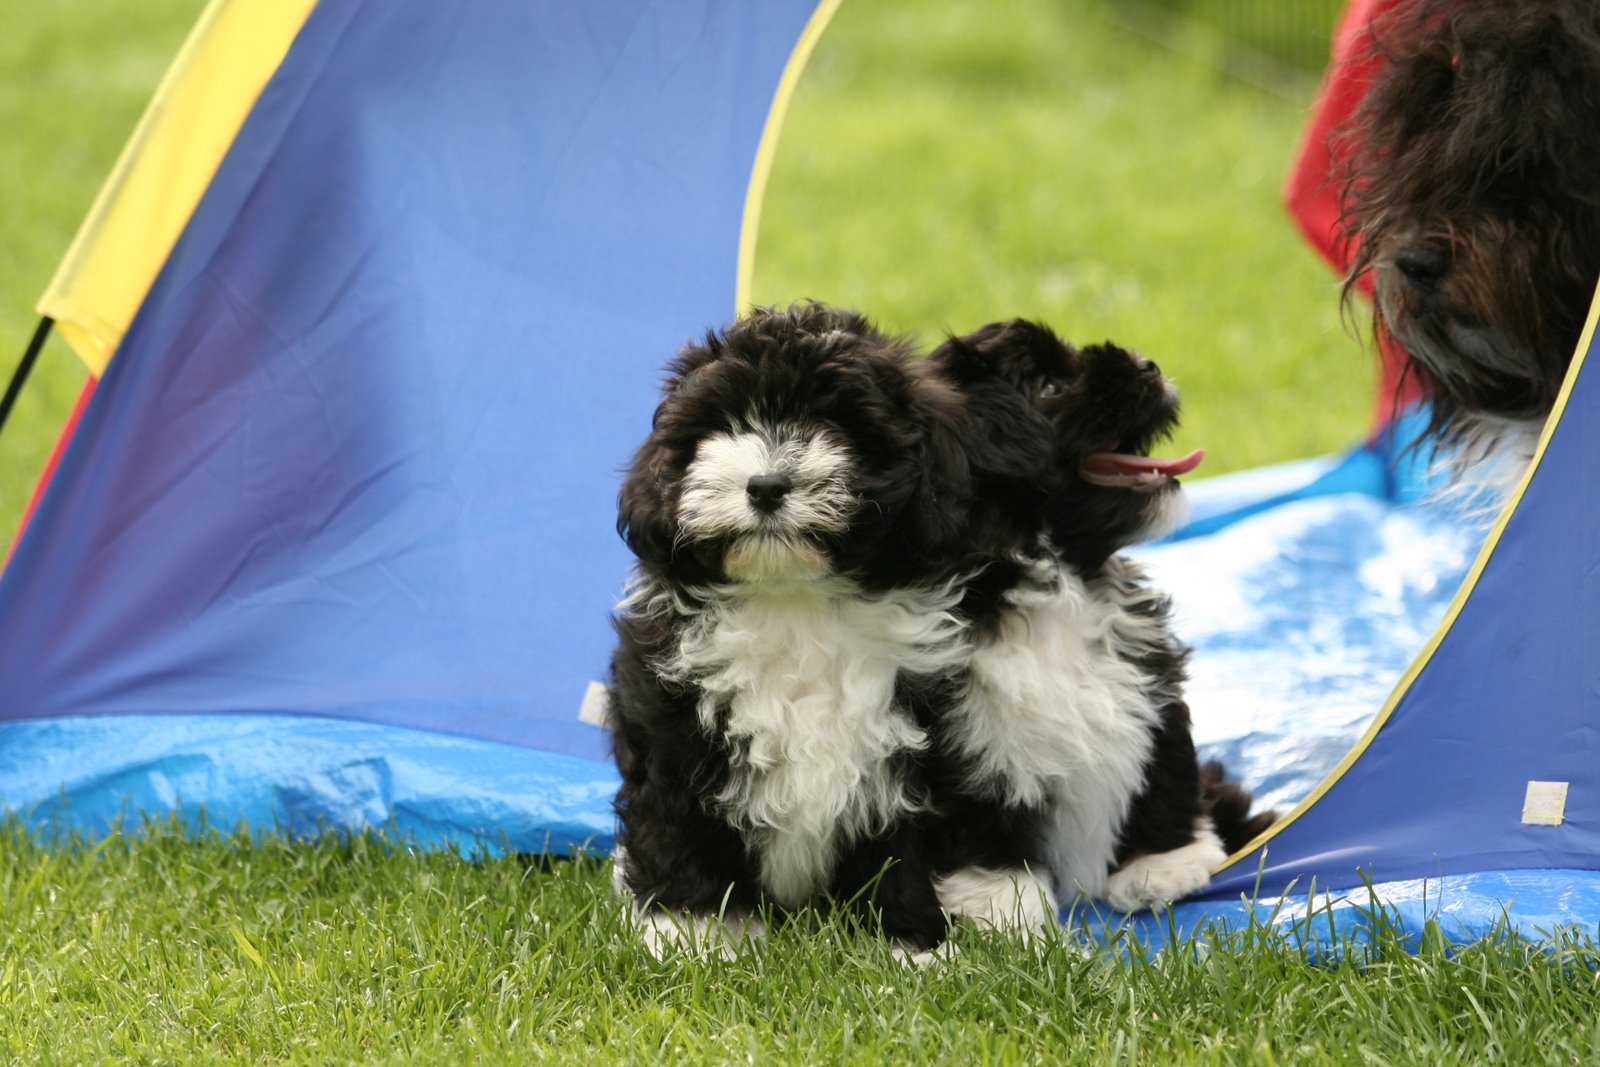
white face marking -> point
(776, 543)
(1163, 515)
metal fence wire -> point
(1265, 40)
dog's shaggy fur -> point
(877, 652)
(1471, 196)
(1073, 650)
(791, 625)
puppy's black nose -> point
(1147, 366)
(766, 491)
(1422, 266)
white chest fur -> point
(1057, 713)
(802, 681)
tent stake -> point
(29, 358)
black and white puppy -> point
(791, 632)
(1074, 703)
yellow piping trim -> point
(768, 148)
(234, 48)
(1463, 594)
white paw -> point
(619, 872)
(1157, 879)
(701, 935)
(697, 935)
(1010, 900)
(940, 953)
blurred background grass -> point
(1278, 44)
(1048, 158)
(1109, 166)
(75, 76)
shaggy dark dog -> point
(1073, 646)
(1471, 191)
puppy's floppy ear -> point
(946, 471)
(690, 359)
(964, 358)
(646, 517)
(644, 514)
(1002, 434)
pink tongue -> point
(1118, 469)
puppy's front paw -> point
(1011, 900)
(1157, 879)
(698, 935)
(943, 952)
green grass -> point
(171, 949)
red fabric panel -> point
(1312, 190)
(55, 459)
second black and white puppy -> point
(1075, 700)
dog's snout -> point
(1147, 366)
(766, 491)
(1422, 266)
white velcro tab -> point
(1545, 804)
(596, 700)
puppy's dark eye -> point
(1049, 389)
